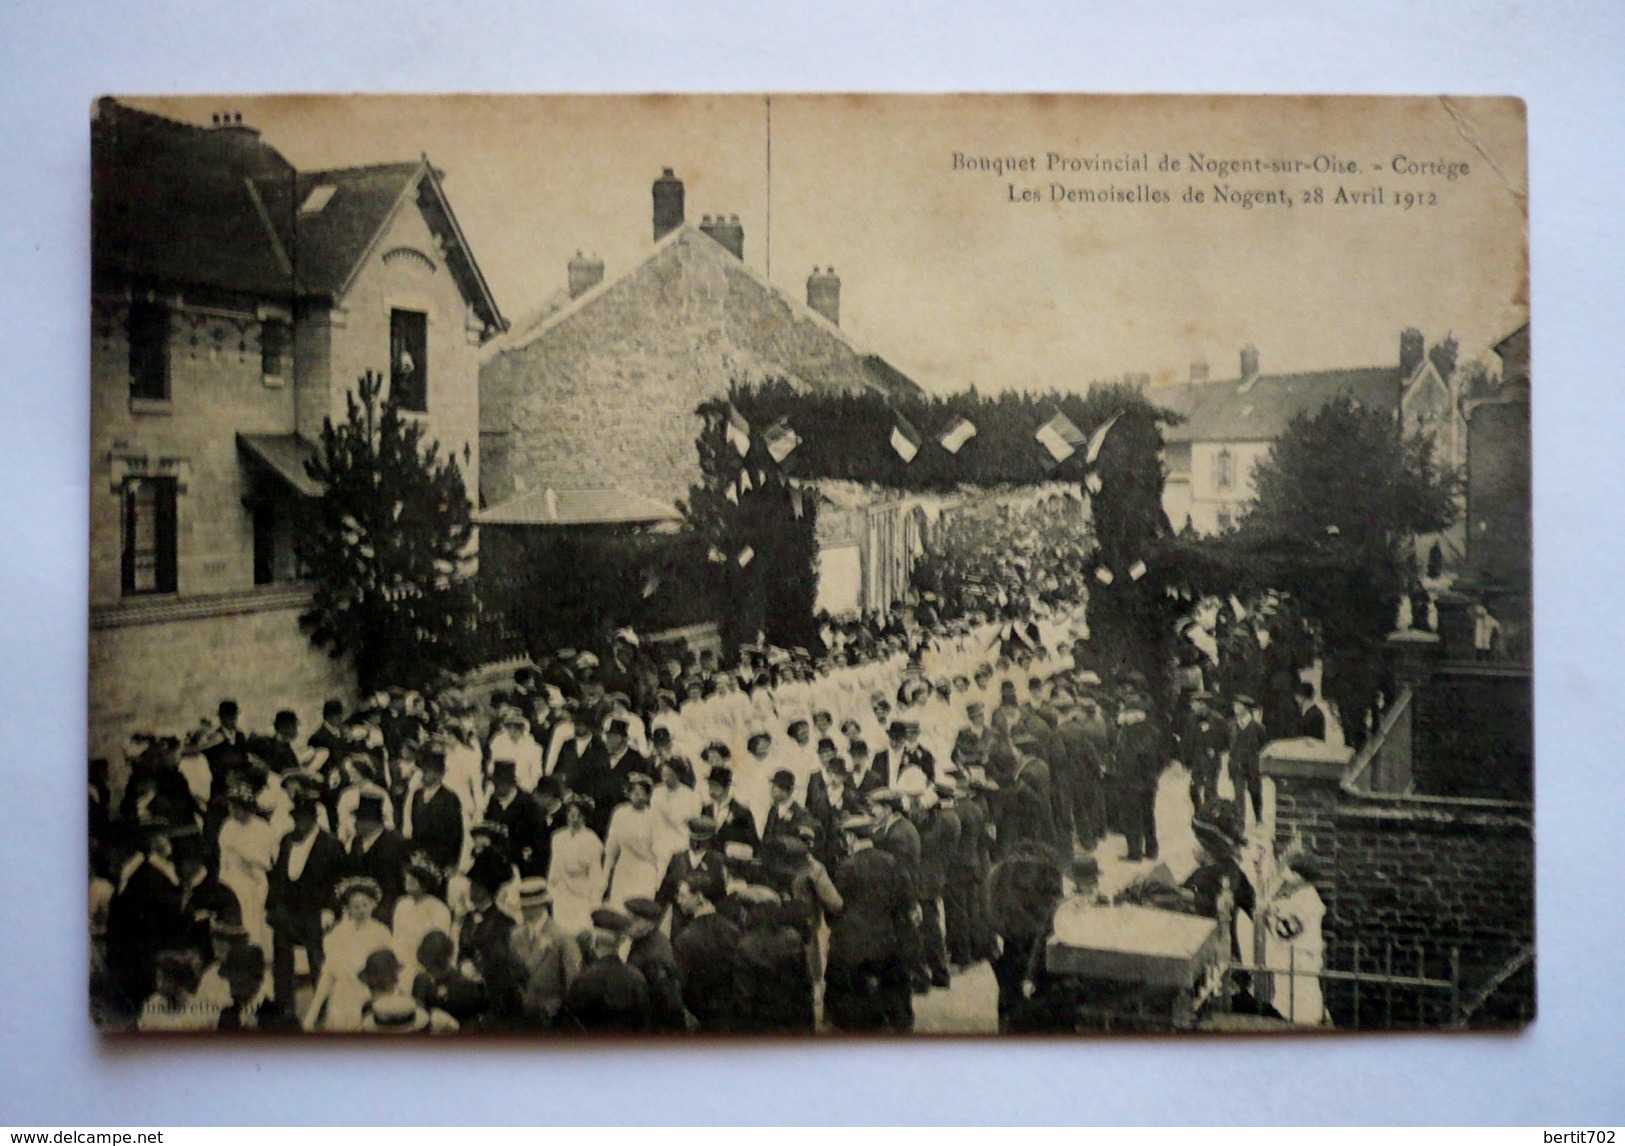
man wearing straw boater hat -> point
(546, 957)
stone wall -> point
(159, 668)
(605, 396)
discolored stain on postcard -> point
(758, 565)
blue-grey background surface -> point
(1564, 58)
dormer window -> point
(317, 199)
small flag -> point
(1237, 608)
(962, 431)
(905, 439)
(1060, 437)
(1098, 438)
(745, 556)
(795, 502)
(1104, 575)
(738, 431)
(1092, 482)
(744, 482)
(732, 494)
(1136, 571)
(781, 440)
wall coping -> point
(158, 610)
(1304, 759)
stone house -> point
(1230, 425)
(235, 301)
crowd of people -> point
(649, 842)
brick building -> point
(235, 301)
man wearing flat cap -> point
(651, 953)
(608, 996)
(701, 854)
(866, 980)
(705, 952)
(1246, 748)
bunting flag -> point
(732, 494)
(744, 482)
(1092, 482)
(1060, 437)
(962, 431)
(795, 502)
(738, 431)
(1098, 438)
(1104, 575)
(745, 556)
(1136, 571)
(905, 439)
(781, 440)
(1237, 608)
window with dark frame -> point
(1224, 473)
(149, 535)
(273, 347)
(149, 351)
(409, 359)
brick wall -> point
(1408, 879)
(1475, 733)
(161, 673)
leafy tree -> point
(1339, 499)
(390, 547)
(762, 534)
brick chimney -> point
(1249, 364)
(726, 230)
(585, 274)
(824, 293)
(1411, 349)
(668, 204)
(231, 123)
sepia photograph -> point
(809, 565)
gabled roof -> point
(1229, 412)
(578, 507)
(219, 207)
(552, 316)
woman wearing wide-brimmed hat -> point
(340, 995)
(247, 851)
(420, 911)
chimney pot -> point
(668, 204)
(1249, 364)
(824, 294)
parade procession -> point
(666, 661)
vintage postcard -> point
(786, 564)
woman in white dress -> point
(340, 992)
(1294, 940)
(634, 846)
(576, 873)
(247, 851)
(419, 911)
(675, 802)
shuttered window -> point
(149, 535)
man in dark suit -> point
(915, 755)
(608, 994)
(485, 943)
(891, 760)
(434, 813)
(897, 835)
(651, 953)
(147, 915)
(1137, 768)
(785, 816)
(330, 736)
(622, 762)
(939, 829)
(530, 840)
(1246, 746)
(866, 984)
(378, 852)
(702, 855)
(309, 864)
(735, 824)
(866, 777)
(705, 952)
